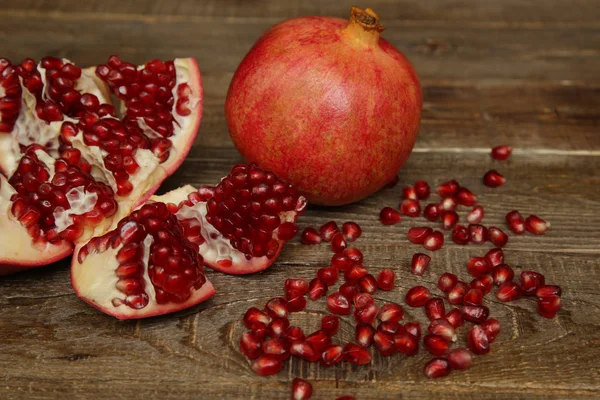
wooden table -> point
(493, 72)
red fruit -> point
(250, 345)
(328, 231)
(367, 284)
(297, 285)
(484, 284)
(437, 368)
(294, 334)
(443, 328)
(277, 348)
(363, 300)
(475, 216)
(295, 301)
(448, 204)
(392, 182)
(548, 291)
(478, 233)
(332, 355)
(491, 327)
(449, 219)
(327, 275)
(310, 236)
(447, 281)
(389, 216)
(338, 304)
(497, 236)
(349, 290)
(364, 334)
(473, 297)
(422, 189)
(501, 152)
(536, 225)
(455, 317)
(351, 231)
(461, 235)
(301, 389)
(417, 296)
(254, 315)
(366, 315)
(509, 291)
(434, 308)
(260, 330)
(548, 306)
(319, 340)
(338, 243)
(478, 340)
(434, 241)
(456, 294)
(406, 343)
(356, 354)
(448, 189)
(418, 234)
(460, 359)
(493, 179)
(414, 328)
(276, 308)
(386, 279)
(384, 343)
(476, 314)
(436, 345)
(465, 197)
(278, 327)
(304, 351)
(502, 273)
(515, 222)
(531, 281)
(409, 193)
(478, 266)
(391, 312)
(341, 261)
(432, 212)
(312, 159)
(330, 324)
(495, 257)
(354, 254)
(355, 273)
(410, 208)
(316, 289)
(419, 263)
(267, 365)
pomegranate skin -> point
(327, 105)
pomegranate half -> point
(326, 104)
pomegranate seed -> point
(478, 266)
(456, 294)
(478, 233)
(338, 243)
(436, 345)
(276, 308)
(461, 235)
(310, 236)
(419, 263)
(349, 290)
(531, 281)
(460, 359)
(316, 289)
(549, 306)
(475, 216)
(515, 222)
(354, 254)
(447, 281)
(366, 315)
(502, 273)
(495, 257)
(364, 334)
(259, 329)
(501, 152)
(548, 291)
(367, 284)
(351, 231)
(417, 296)
(389, 216)
(389, 327)
(384, 344)
(473, 297)
(277, 348)
(484, 284)
(410, 208)
(277, 327)
(449, 219)
(338, 304)
(437, 368)
(341, 261)
(478, 340)
(386, 279)
(414, 328)
(327, 275)
(298, 285)
(455, 317)
(448, 189)
(391, 312)
(304, 351)
(536, 225)
(509, 291)
(406, 343)
(409, 192)
(295, 301)
(432, 212)
(491, 327)
(250, 345)
(434, 308)
(493, 179)
(443, 328)
(330, 324)
(497, 236)
(418, 234)
(476, 314)
(434, 241)
(363, 300)
(319, 340)
(328, 231)
(332, 355)
(393, 182)
(448, 204)
(266, 365)
(301, 389)
(465, 197)
(356, 354)
(422, 189)
(254, 315)
(294, 334)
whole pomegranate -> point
(327, 105)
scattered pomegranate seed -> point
(434, 308)
(368, 284)
(495, 257)
(465, 197)
(301, 389)
(366, 315)
(461, 235)
(254, 315)
(417, 296)
(391, 312)
(491, 327)
(384, 344)
(278, 327)
(316, 289)
(434, 241)
(456, 294)
(338, 243)
(478, 266)
(502, 273)
(389, 216)
(531, 281)
(422, 189)
(443, 328)
(549, 306)
(475, 216)
(364, 334)
(327, 275)
(478, 340)
(436, 345)
(319, 340)
(455, 317)
(501, 152)
(509, 291)
(276, 307)
(447, 281)
(410, 193)
(448, 189)
(338, 304)
(310, 236)
(351, 231)
(484, 284)
(294, 334)
(330, 324)
(536, 225)
(341, 261)
(473, 297)
(497, 236)
(449, 219)
(476, 314)
(295, 301)
(328, 231)
(414, 328)
(478, 233)
(418, 234)
(386, 279)
(277, 348)
(362, 300)
(304, 351)
(259, 329)
(250, 345)
(298, 285)
(267, 365)
(393, 182)
(544, 291)
(356, 354)
(390, 327)
(437, 368)
(356, 272)
(419, 263)
(448, 204)
(493, 179)
(354, 254)
(332, 355)
(410, 208)
(460, 359)
(406, 343)
(515, 222)
(432, 212)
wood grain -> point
(524, 73)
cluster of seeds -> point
(10, 101)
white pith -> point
(80, 202)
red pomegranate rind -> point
(143, 268)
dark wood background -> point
(493, 72)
